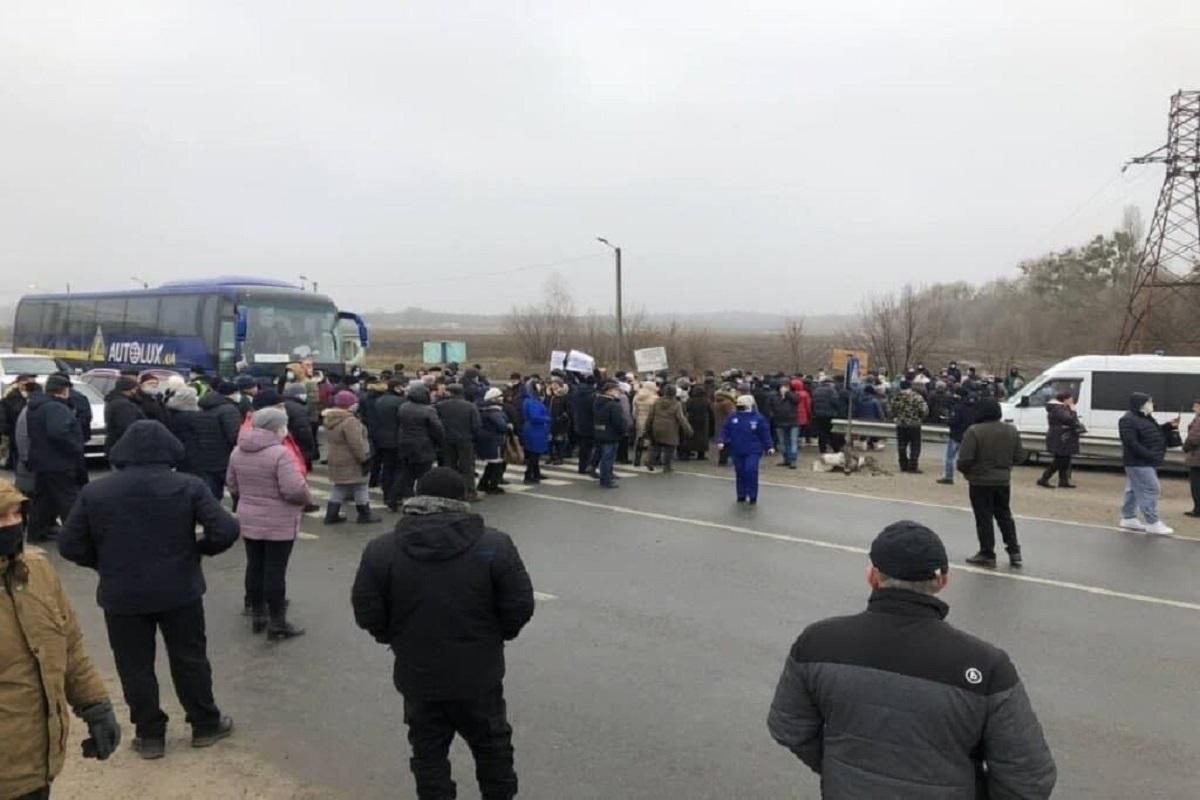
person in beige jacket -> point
(349, 459)
(44, 669)
(643, 402)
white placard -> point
(557, 359)
(650, 359)
(271, 358)
(578, 361)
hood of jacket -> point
(418, 394)
(335, 417)
(1136, 401)
(39, 399)
(797, 385)
(212, 400)
(437, 535)
(146, 442)
(253, 440)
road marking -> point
(304, 535)
(554, 482)
(570, 475)
(856, 550)
(542, 597)
(924, 504)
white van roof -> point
(1134, 363)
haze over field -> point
(451, 156)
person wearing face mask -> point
(217, 427)
(1143, 448)
(349, 460)
(272, 495)
(46, 668)
(10, 410)
(148, 398)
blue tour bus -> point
(225, 325)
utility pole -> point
(620, 322)
(1166, 285)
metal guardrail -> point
(1090, 447)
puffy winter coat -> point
(271, 488)
(895, 702)
(151, 406)
(583, 399)
(825, 402)
(1062, 435)
(608, 419)
(700, 416)
(216, 434)
(1143, 443)
(348, 447)
(445, 593)
(419, 434)
(667, 423)
(963, 416)
(746, 433)
(643, 402)
(137, 528)
(493, 425)
(535, 423)
(388, 412)
(120, 413)
(55, 443)
(784, 408)
(460, 419)
(44, 673)
(989, 452)
(804, 402)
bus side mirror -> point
(1023, 402)
(241, 325)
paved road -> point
(648, 672)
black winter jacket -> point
(152, 407)
(608, 421)
(460, 420)
(583, 399)
(895, 702)
(215, 431)
(55, 443)
(783, 408)
(1062, 435)
(989, 452)
(825, 401)
(1143, 443)
(420, 432)
(489, 444)
(388, 412)
(445, 592)
(137, 528)
(300, 425)
(962, 417)
(10, 408)
(119, 413)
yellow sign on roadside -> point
(841, 356)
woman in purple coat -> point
(272, 495)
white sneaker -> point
(1159, 529)
(1132, 524)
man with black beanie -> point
(895, 702)
(55, 449)
(445, 593)
(990, 449)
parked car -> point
(14, 364)
(103, 379)
(94, 447)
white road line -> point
(862, 551)
(305, 535)
(924, 504)
(570, 475)
(554, 482)
(542, 597)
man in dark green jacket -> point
(990, 449)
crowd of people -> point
(433, 442)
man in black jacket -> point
(990, 449)
(137, 528)
(419, 436)
(1143, 448)
(295, 403)
(385, 438)
(461, 422)
(120, 411)
(445, 593)
(608, 422)
(10, 409)
(826, 404)
(894, 702)
(582, 400)
(55, 447)
(217, 427)
(149, 399)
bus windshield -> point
(278, 332)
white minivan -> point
(1102, 386)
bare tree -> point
(539, 329)
(793, 341)
(879, 331)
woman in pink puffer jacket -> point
(272, 494)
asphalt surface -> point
(649, 666)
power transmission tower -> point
(1165, 294)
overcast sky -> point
(752, 155)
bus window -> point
(27, 330)
(227, 349)
(141, 317)
(110, 315)
(81, 321)
(183, 316)
(278, 333)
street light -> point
(620, 324)
(136, 279)
(303, 278)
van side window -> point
(1111, 390)
(1048, 390)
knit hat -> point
(296, 391)
(442, 482)
(745, 401)
(988, 410)
(345, 400)
(267, 397)
(271, 418)
(56, 383)
(184, 399)
(125, 384)
(492, 394)
(909, 551)
(226, 388)
(244, 382)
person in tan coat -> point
(643, 402)
(667, 426)
(44, 669)
(349, 460)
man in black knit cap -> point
(445, 592)
(895, 702)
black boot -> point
(365, 517)
(258, 619)
(333, 514)
(280, 628)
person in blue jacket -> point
(535, 430)
(747, 435)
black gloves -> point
(104, 730)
